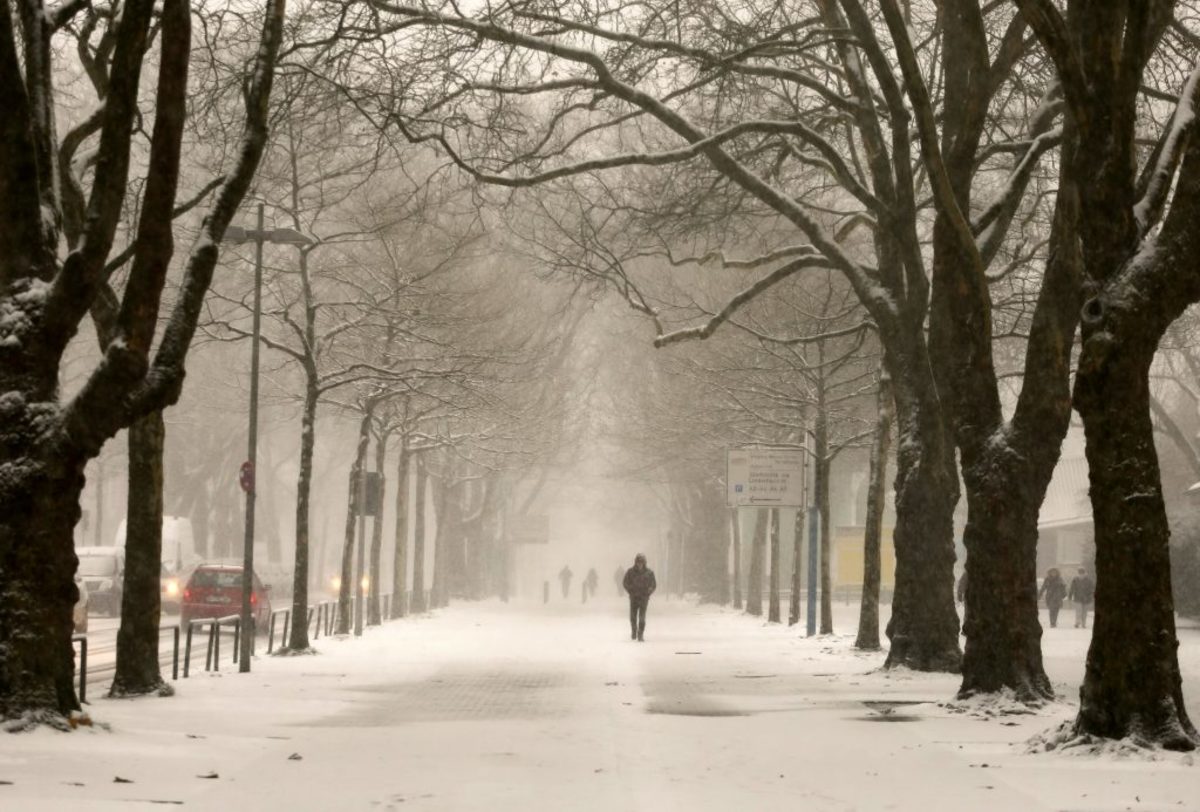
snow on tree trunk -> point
(1132, 685)
(138, 669)
(39, 490)
(923, 629)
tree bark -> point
(400, 556)
(821, 496)
(137, 670)
(797, 564)
(418, 603)
(773, 615)
(374, 613)
(924, 627)
(345, 613)
(757, 554)
(1132, 685)
(298, 634)
(868, 616)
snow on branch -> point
(778, 275)
(1157, 180)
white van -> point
(102, 570)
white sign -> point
(765, 476)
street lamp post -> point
(258, 236)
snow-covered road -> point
(524, 707)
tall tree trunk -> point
(757, 554)
(1132, 685)
(924, 627)
(797, 559)
(374, 614)
(418, 602)
(345, 613)
(736, 532)
(821, 496)
(40, 492)
(400, 556)
(868, 616)
(137, 670)
(441, 489)
(298, 635)
(773, 615)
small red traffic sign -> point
(246, 476)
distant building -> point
(1065, 536)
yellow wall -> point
(848, 557)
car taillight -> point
(187, 594)
(253, 598)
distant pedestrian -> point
(1054, 589)
(1082, 591)
(564, 576)
(640, 584)
(619, 579)
(590, 582)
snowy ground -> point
(522, 707)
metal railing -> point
(212, 657)
(287, 619)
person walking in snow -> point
(1054, 589)
(1082, 591)
(640, 584)
(590, 582)
(564, 576)
(619, 579)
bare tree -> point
(43, 299)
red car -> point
(215, 590)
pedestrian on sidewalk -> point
(1083, 590)
(1054, 589)
(564, 576)
(619, 579)
(590, 582)
(640, 584)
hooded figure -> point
(640, 584)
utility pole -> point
(259, 236)
(247, 622)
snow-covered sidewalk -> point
(524, 707)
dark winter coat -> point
(1053, 590)
(1082, 589)
(639, 583)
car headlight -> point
(172, 588)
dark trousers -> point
(1054, 607)
(637, 614)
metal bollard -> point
(287, 623)
(81, 639)
(187, 651)
(175, 654)
(215, 634)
